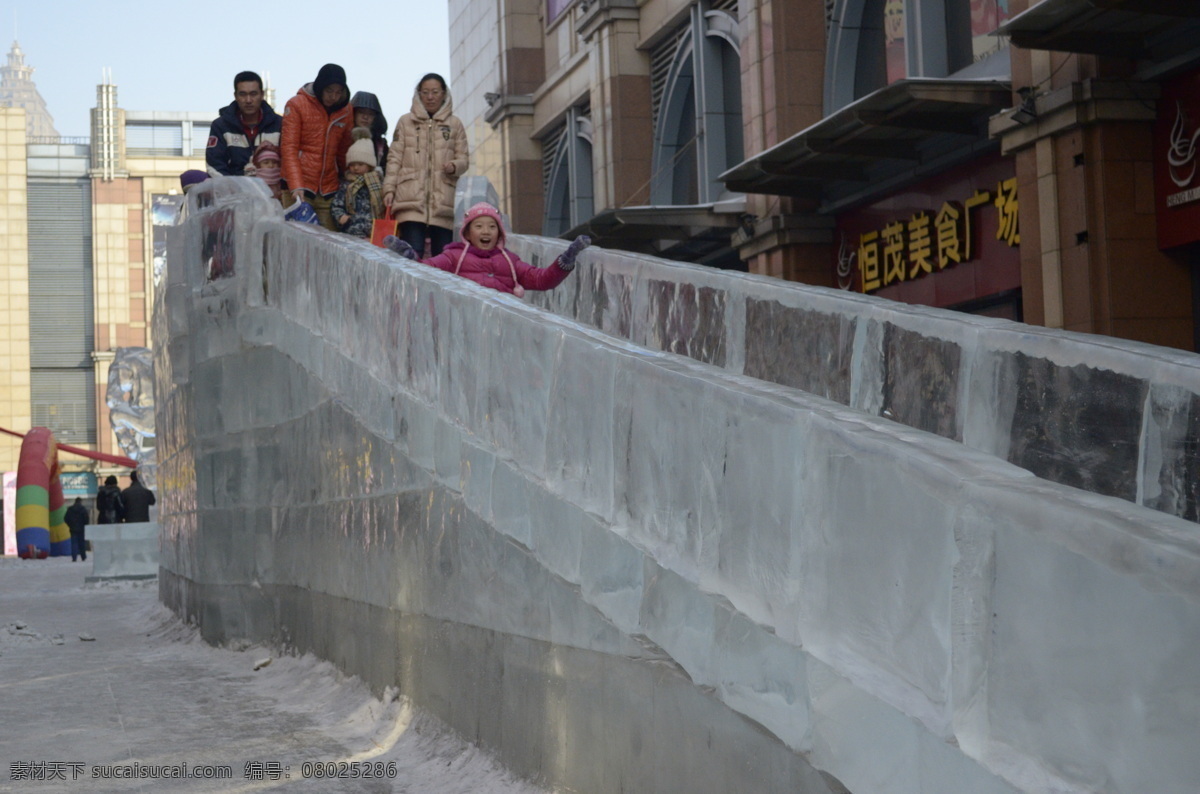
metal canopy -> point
(697, 233)
(1147, 30)
(903, 130)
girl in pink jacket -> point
(483, 258)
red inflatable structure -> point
(41, 530)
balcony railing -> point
(56, 140)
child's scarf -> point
(374, 186)
(271, 176)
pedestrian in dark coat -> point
(369, 114)
(138, 499)
(246, 123)
(77, 520)
(110, 508)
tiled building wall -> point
(1139, 292)
(14, 286)
(1090, 260)
(475, 61)
(119, 240)
(123, 255)
(498, 49)
(783, 68)
(621, 113)
(524, 72)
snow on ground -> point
(157, 694)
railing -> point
(57, 140)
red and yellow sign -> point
(963, 217)
(1176, 158)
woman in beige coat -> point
(427, 156)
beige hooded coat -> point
(422, 190)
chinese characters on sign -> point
(908, 249)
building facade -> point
(84, 225)
(989, 156)
(1105, 113)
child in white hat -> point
(482, 257)
(359, 200)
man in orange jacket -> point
(316, 135)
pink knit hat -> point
(265, 150)
(482, 209)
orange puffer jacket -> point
(421, 146)
(314, 143)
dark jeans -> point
(414, 234)
(78, 547)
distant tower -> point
(17, 90)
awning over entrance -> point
(696, 233)
(888, 138)
(1157, 31)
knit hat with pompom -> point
(363, 149)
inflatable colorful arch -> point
(41, 529)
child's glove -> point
(567, 260)
(400, 246)
(250, 170)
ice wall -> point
(628, 570)
(1105, 415)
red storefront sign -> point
(1176, 161)
(949, 240)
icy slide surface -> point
(625, 568)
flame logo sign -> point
(845, 264)
(1182, 154)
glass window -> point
(554, 9)
(696, 109)
(986, 16)
(154, 139)
(199, 138)
(893, 40)
(958, 34)
(567, 174)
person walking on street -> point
(316, 135)
(427, 156)
(243, 125)
(138, 499)
(77, 521)
(110, 508)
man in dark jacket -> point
(109, 506)
(138, 499)
(77, 520)
(242, 126)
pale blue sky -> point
(183, 55)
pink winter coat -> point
(496, 268)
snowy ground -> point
(101, 680)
